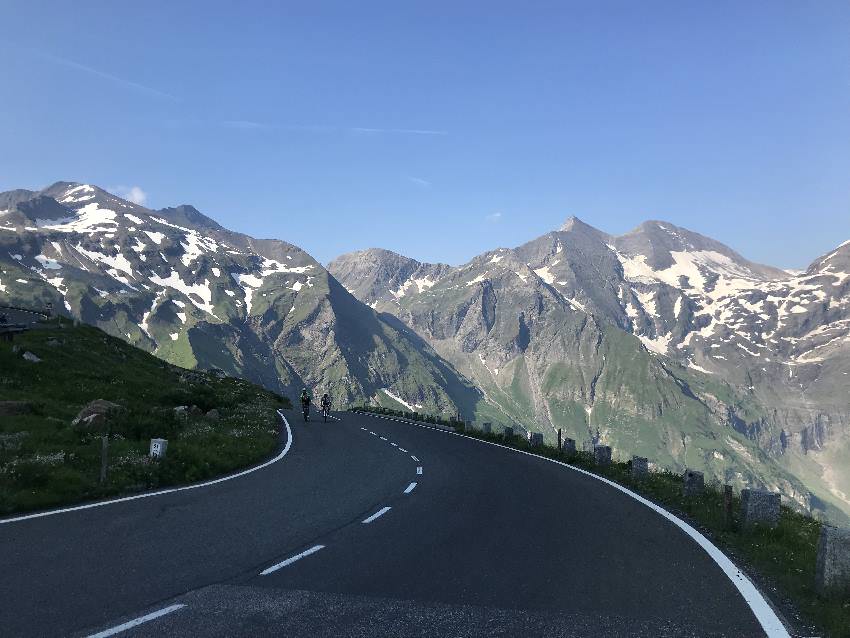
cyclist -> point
(305, 404)
(326, 406)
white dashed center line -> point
(410, 488)
(289, 561)
(377, 514)
(137, 622)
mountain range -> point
(659, 342)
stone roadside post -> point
(535, 439)
(693, 483)
(760, 507)
(640, 467)
(832, 574)
(602, 454)
(158, 447)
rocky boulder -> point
(96, 415)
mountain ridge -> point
(686, 298)
(176, 283)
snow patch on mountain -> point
(88, 219)
(157, 237)
(397, 398)
(545, 275)
(47, 262)
(199, 294)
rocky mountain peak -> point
(188, 215)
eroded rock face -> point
(96, 416)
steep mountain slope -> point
(177, 284)
(650, 337)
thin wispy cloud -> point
(419, 181)
(133, 194)
(255, 125)
(494, 217)
(71, 64)
(407, 131)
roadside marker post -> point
(158, 447)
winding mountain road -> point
(371, 527)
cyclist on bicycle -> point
(326, 405)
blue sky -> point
(444, 129)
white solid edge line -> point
(136, 622)
(291, 560)
(161, 492)
(767, 618)
(377, 514)
(410, 488)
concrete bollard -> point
(693, 483)
(760, 507)
(640, 467)
(508, 433)
(569, 446)
(535, 439)
(158, 447)
(602, 454)
(832, 574)
(487, 428)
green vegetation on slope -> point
(783, 558)
(45, 461)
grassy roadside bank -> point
(213, 425)
(782, 560)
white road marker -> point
(383, 438)
(289, 561)
(138, 621)
(414, 458)
(372, 433)
(401, 449)
(410, 488)
(757, 603)
(380, 512)
(419, 470)
(161, 492)
(394, 444)
(364, 429)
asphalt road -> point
(488, 542)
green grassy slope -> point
(45, 462)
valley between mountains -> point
(660, 342)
